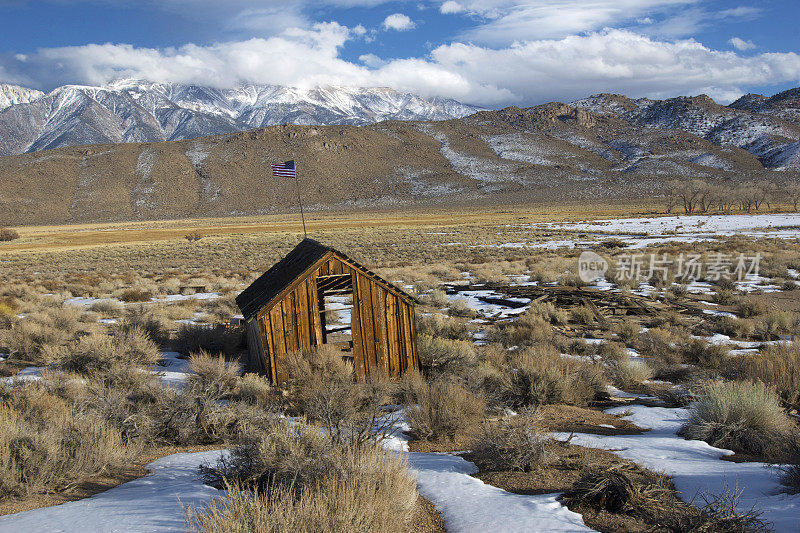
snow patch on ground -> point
(151, 503)
(477, 168)
(753, 225)
(475, 300)
(518, 147)
(695, 466)
(197, 154)
(469, 505)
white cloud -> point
(521, 74)
(741, 12)
(451, 7)
(398, 22)
(506, 21)
(741, 44)
(371, 60)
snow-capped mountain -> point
(140, 111)
(601, 147)
(14, 94)
(768, 128)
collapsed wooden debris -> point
(603, 304)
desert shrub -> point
(720, 513)
(28, 339)
(47, 445)
(547, 311)
(147, 320)
(460, 307)
(776, 323)
(173, 417)
(134, 295)
(662, 343)
(789, 285)
(8, 234)
(627, 330)
(582, 315)
(747, 308)
(525, 331)
(439, 356)
(107, 307)
(441, 410)
(740, 416)
(611, 353)
(512, 443)
(305, 482)
(100, 353)
(213, 376)
(705, 354)
(332, 505)
(627, 374)
(778, 366)
(539, 375)
(724, 296)
(322, 386)
(437, 325)
(737, 328)
(572, 280)
(437, 298)
(213, 339)
(255, 389)
(790, 478)
(679, 290)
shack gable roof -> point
(283, 273)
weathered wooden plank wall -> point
(382, 324)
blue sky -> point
(487, 52)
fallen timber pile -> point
(603, 304)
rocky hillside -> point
(141, 111)
(599, 148)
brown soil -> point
(426, 518)
(782, 300)
(458, 444)
(569, 418)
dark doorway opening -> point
(335, 294)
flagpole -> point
(299, 201)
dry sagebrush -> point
(741, 416)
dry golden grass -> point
(48, 238)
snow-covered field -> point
(696, 226)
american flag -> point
(284, 170)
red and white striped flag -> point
(284, 170)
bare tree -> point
(671, 194)
(791, 190)
(689, 194)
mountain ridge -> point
(130, 110)
(601, 148)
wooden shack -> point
(294, 303)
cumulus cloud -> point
(451, 7)
(371, 60)
(521, 74)
(398, 22)
(741, 44)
